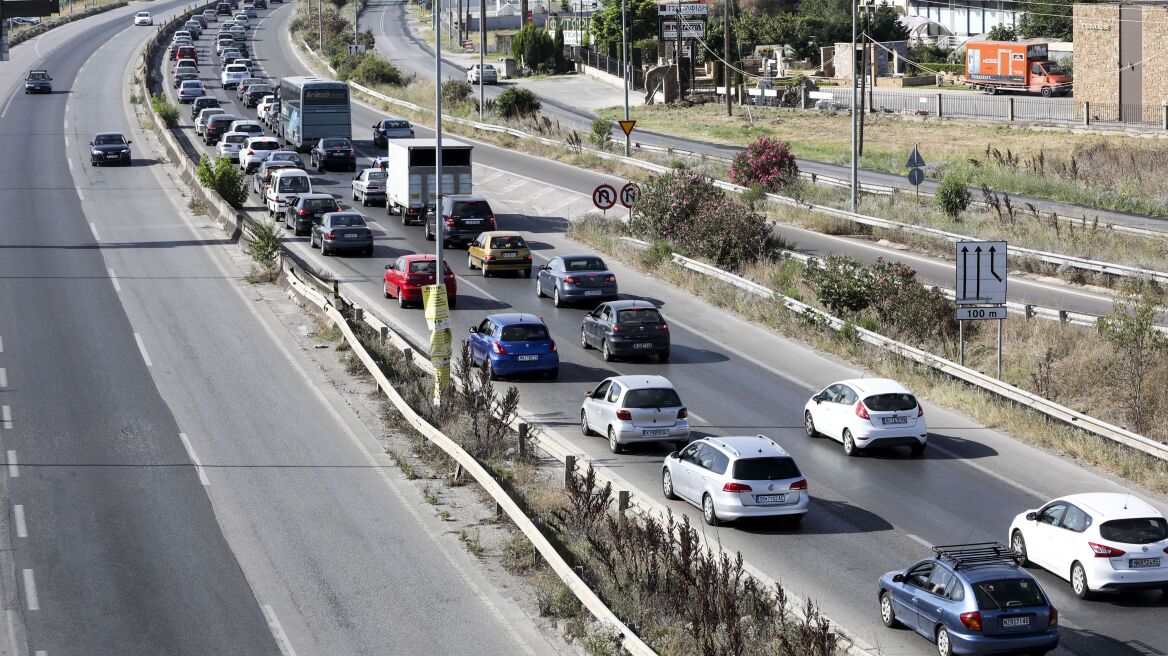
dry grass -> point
(1063, 362)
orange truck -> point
(995, 66)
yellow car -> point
(499, 251)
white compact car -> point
(867, 413)
(232, 74)
(230, 144)
(256, 150)
(735, 478)
(1097, 541)
(143, 18)
(628, 409)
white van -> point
(287, 184)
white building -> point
(960, 18)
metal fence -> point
(605, 63)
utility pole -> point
(319, 27)
(677, 54)
(439, 271)
(482, 53)
(855, 116)
(863, 85)
(625, 63)
(356, 17)
(726, 56)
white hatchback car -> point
(1097, 541)
(736, 477)
(629, 409)
(143, 18)
(232, 74)
(256, 150)
(865, 413)
(230, 144)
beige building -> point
(1121, 60)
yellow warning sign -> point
(627, 126)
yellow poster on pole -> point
(438, 319)
(437, 310)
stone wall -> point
(1096, 29)
(884, 63)
(1155, 64)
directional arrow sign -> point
(981, 273)
(627, 126)
(915, 161)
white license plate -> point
(593, 292)
(1010, 622)
(111, 156)
(642, 345)
(1135, 563)
(770, 498)
(895, 420)
(656, 432)
(352, 236)
(526, 358)
(472, 221)
(510, 255)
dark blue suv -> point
(971, 599)
(514, 343)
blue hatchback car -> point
(971, 599)
(514, 343)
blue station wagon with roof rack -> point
(971, 599)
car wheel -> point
(311, 240)
(539, 288)
(1079, 584)
(470, 262)
(605, 352)
(1047, 92)
(527, 273)
(405, 217)
(667, 485)
(491, 373)
(887, 614)
(584, 424)
(614, 445)
(429, 234)
(663, 356)
(944, 645)
(385, 289)
(354, 194)
(553, 374)
(452, 302)
(369, 252)
(708, 512)
(401, 298)
(584, 340)
(850, 444)
(809, 424)
(556, 298)
(917, 450)
(364, 201)
(324, 252)
(1018, 544)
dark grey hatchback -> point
(626, 328)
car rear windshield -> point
(1001, 594)
(321, 204)
(424, 266)
(1138, 530)
(378, 175)
(294, 183)
(652, 398)
(234, 138)
(348, 221)
(395, 125)
(334, 143)
(765, 469)
(890, 402)
(584, 264)
(508, 242)
(264, 145)
(524, 332)
(638, 315)
(470, 209)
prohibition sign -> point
(604, 197)
(628, 195)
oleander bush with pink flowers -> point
(767, 163)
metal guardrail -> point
(1047, 407)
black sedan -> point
(391, 128)
(626, 328)
(38, 81)
(333, 153)
(109, 148)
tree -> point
(841, 283)
(558, 44)
(1002, 33)
(884, 25)
(534, 47)
(642, 21)
(1138, 348)
(952, 195)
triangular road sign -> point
(627, 126)
(915, 161)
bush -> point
(952, 196)
(164, 108)
(908, 308)
(263, 245)
(375, 70)
(765, 162)
(455, 91)
(223, 178)
(534, 47)
(601, 135)
(516, 102)
(841, 283)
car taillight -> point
(683, 413)
(662, 326)
(368, 233)
(491, 220)
(250, 152)
(277, 198)
(450, 222)
(352, 153)
(498, 348)
(553, 347)
(800, 484)
(920, 410)
(572, 280)
(610, 279)
(616, 328)
(624, 415)
(411, 133)
(1052, 619)
(527, 257)
(736, 487)
(1104, 551)
(303, 212)
(861, 411)
(331, 235)
(972, 621)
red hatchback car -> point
(409, 273)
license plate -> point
(338, 153)
(656, 432)
(643, 345)
(593, 292)
(472, 221)
(1011, 622)
(111, 156)
(770, 498)
(895, 420)
(1143, 562)
(526, 358)
(352, 236)
(510, 255)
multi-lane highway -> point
(868, 516)
(130, 351)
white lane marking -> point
(142, 348)
(278, 632)
(1, 344)
(12, 631)
(6, 417)
(42, 652)
(70, 160)
(31, 601)
(93, 229)
(13, 468)
(919, 540)
(114, 280)
(66, 142)
(66, 127)
(80, 194)
(3, 377)
(18, 520)
(195, 459)
(6, 105)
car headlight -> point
(96, 152)
(125, 151)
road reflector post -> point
(336, 289)
(569, 469)
(384, 334)
(622, 500)
(523, 428)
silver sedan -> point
(570, 278)
(342, 231)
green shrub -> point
(841, 283)
(906, 308)
(534, 47)
(659, 252)
(601, 135)
(223, 178)
(455, 91)
(263, 245)
(952, 196)
(375, 70)
(164, 108)
(517, 102)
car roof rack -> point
(977, 553)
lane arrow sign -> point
(993, 252)
(977, 286)
(965, 270)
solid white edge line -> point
(18, 520)
(6, 417)
(11, 615)
(278, 632)
(13, 467)
(31, 600)
(195, 459)
(93, 229)
(80, 195)
(142, 348)
(42, 653)
(3, 377)
(114, 280)
(1, 344)
(70, 160)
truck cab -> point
(1048, 78)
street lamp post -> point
(320, 27)
(482, 53)
(439, 277)
(855, 114)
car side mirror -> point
(129, 141)
(1031, 516)
(388, 267)
(588, 394)
(356, 177)
(818, 398)
(90, 143)
(673, 454)
(473, 329)
(898, 578)
(543, 267)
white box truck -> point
(409, 166)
